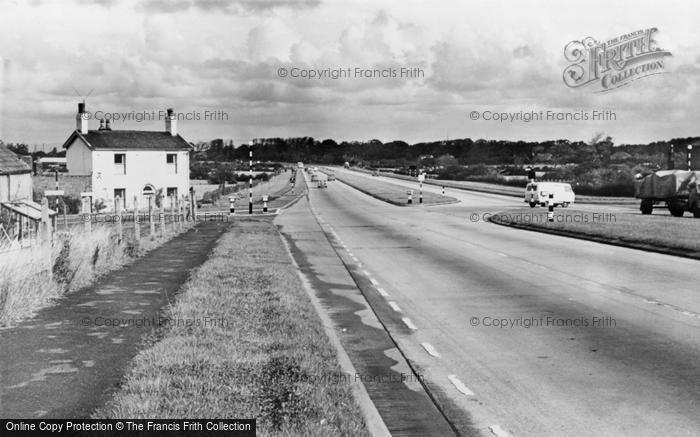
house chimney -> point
(102, 124)
(81, 119)
(171, 122)
(107, 126)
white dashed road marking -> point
(430, 349)
(394, 307)
(373, 281)
(459, 385)
(409, 323)
(366, 273)
(382, 292)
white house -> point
(129, 164)
(15, 177)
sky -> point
(221, 63)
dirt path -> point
(68, 359)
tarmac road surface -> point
(528, 333)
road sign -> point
(421, 177)
(86, 194)
(264, 198)
(48, 193)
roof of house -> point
(129, 140)
(10, 163)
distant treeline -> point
(600, 151)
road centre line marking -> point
(382, 292)
(502, 254)
(366, 273)
(498, 431)
(430, 349)
(459, 385)
(373, 281)
(394, 306)
(408, 323)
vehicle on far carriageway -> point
(677, 189)
(537, 193)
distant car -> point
(537, 193)
(375, 173)
(331, 177)
(322, 183)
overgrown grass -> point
(32, 278)
(654, 231)
(388, 192)
(269, 358)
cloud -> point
(225, 6)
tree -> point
(447, 161)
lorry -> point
(676, 189)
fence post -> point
(550, 207)
(120, 225)
(137, 225)
(410, 196)
(232, 205)
(180, 218)
(87, 214)
(172, 211)
(162, 217)
(151, 223)
(45, 227)
(193, 205)
(65, 215)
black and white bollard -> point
(550, 208)
(410, 196)
(265, 204)
(232, 204)
(420, 194)
(443, 191)
(250, 182)
(690, 156)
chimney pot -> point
(171, 122)
(107, 126)
(81, 119)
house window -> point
(120, 163)
(171, 162)
(119, 199)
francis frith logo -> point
(614, 63)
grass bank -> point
(32, 278)
(266, 356)
(390, 193)
(664, 234)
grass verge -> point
(266, 357)
(32, 278)
(390, 193)
(663, 234)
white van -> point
(538, 193)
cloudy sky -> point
(226, 55)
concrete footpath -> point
(70, 357)
(392, 385)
